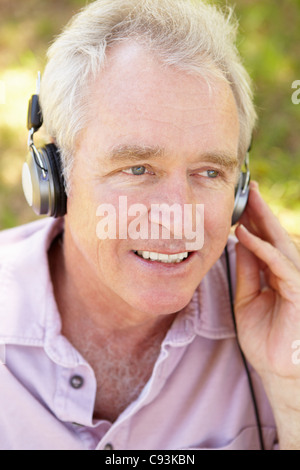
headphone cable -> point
(261, 440)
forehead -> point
(138, 100)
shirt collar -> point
(25, 287)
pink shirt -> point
(197, 397)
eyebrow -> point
(136, 153)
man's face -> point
(156, 136)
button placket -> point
(78, 393)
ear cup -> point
(42, 177)
(241, 197)
(43, 183)
(59, 203)
(35, 181)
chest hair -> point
(120, 374)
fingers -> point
(260, 220)
(260, 213)
(248, 222)
(277, 262)
(248, 275)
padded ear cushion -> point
(60, 197)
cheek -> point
(81, 220)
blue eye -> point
(136, 170)
(212, 173)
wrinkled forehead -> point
(137, 100)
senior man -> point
(129, 342)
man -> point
(123, 342)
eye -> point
(212, 173)
(209, 174)
(136, 170)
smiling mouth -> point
(163, 257)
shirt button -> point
(108, 447)
(76, 381)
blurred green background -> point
(269, 41)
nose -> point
(174, 208)
(175, 189)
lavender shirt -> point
(197, 397)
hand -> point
(268, 318)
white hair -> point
(192, 35)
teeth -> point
(164, 258)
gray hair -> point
(192, 35)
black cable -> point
(259, 427)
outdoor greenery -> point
(269, 41)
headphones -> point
(43, 181)
(42, 178)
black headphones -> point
(43, 181)
(42, 178)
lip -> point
(160, 267)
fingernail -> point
(242, 227)
(255, 185)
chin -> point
(162, 302)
